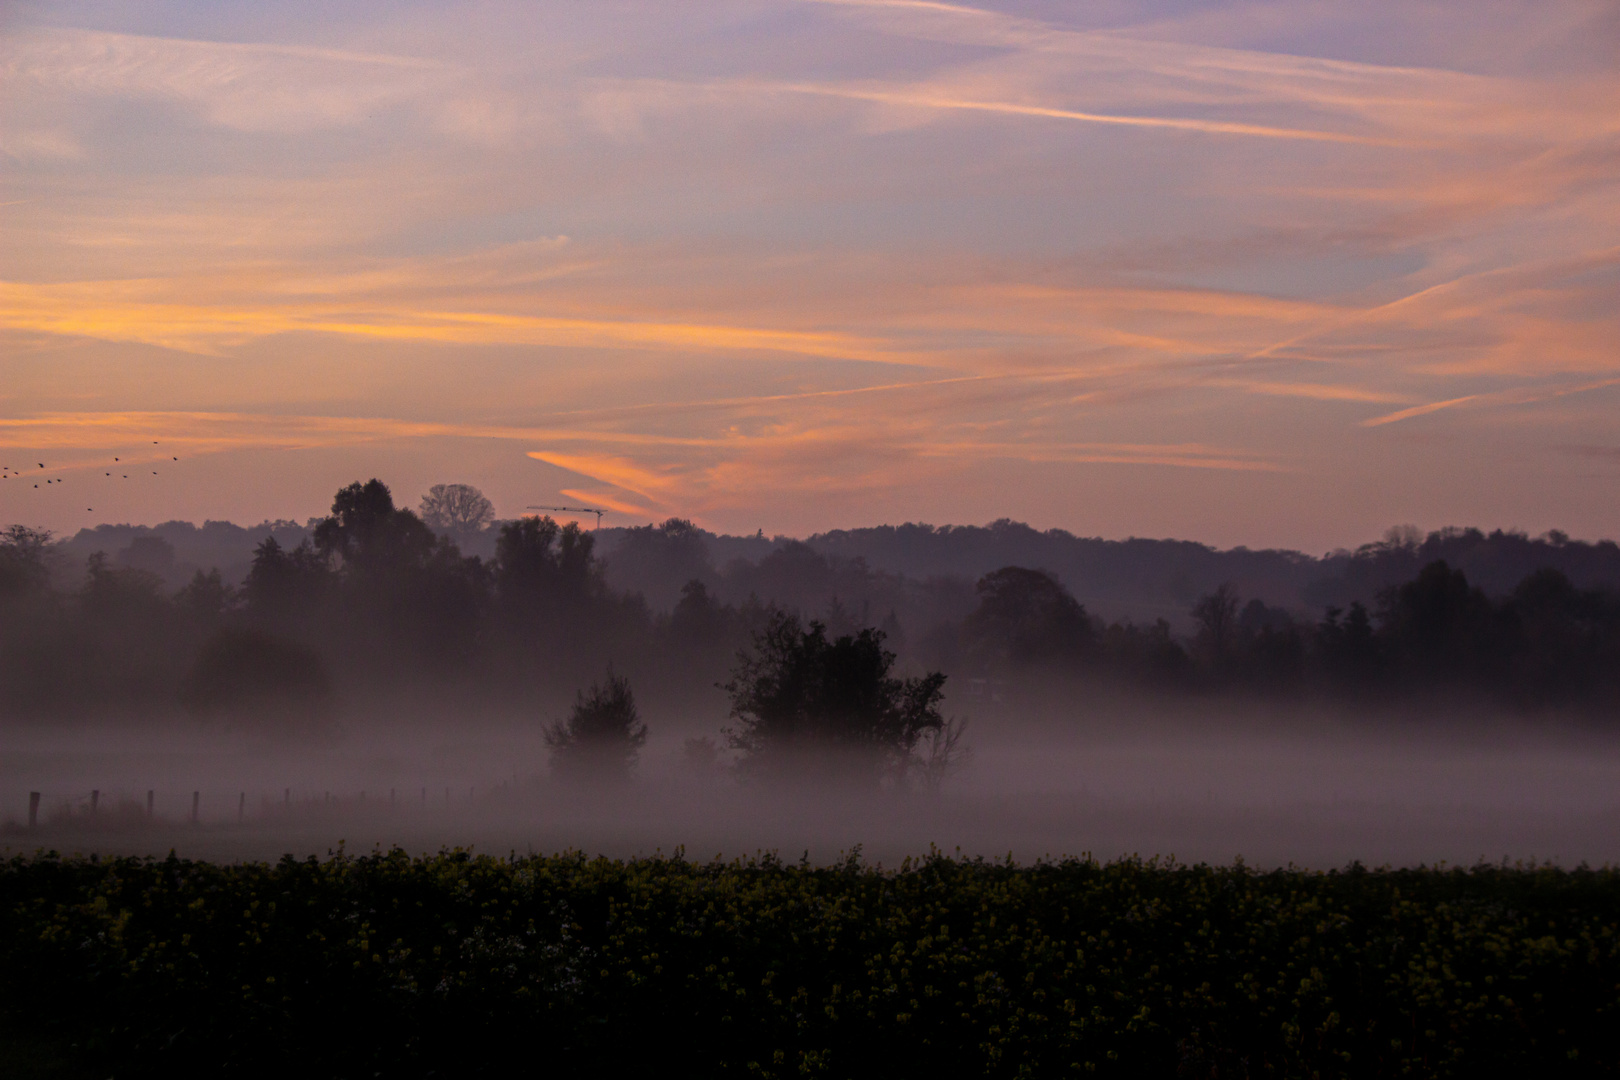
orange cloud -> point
(1418, 410)
(84, 308)
(918, 100)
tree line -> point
(379, 609)
(1545, 645)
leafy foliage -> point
(799, 695)
(1025, 618)
(602, 733)
(461, 965)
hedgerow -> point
(460, 965)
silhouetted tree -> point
(535, 559)
(1566, 641)
(23, 561)
(126, 639)
(1148, 656)
(206, 597)
(1438, 628)
(260, 680)
(366, 533)
(411, 593)
(698, 620)
(458, 509)
(1272, 648)
(1026, 617)
(284, 585)
(802, 701)
(150, 553)
(1348, 651)
(116, 592)
(794, 576)
(1216, 615)
(940, 753)
(602, 734)
(655, 561)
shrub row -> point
(458, 964)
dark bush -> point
(260, 680)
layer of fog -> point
(1314, 791)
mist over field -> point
(1321, 797)
(365, 681)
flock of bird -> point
(9, 473)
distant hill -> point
(1144, 579)
(1136, 578)
(175, 550)
(1148, 578)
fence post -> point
(95, 800)
(196, 798)
(33, 809)
(150, 795)
(241, 807)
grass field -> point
(461, 965)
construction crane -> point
(572, 510)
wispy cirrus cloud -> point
(936, 100)
(249, 86)
(1520, 395)
(800, 255)
(114, 311)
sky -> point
(1275, 274)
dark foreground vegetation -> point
(456, 965)
(377, 609)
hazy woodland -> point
(384, 676)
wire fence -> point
(107, 809)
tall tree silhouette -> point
(367, 534)
(1026, 617)
(804, 703)
(658, 561)
(285, 586)
(1217, 617)
(602, 734)
(23, 561)
(460, 510)
(1439, 628)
